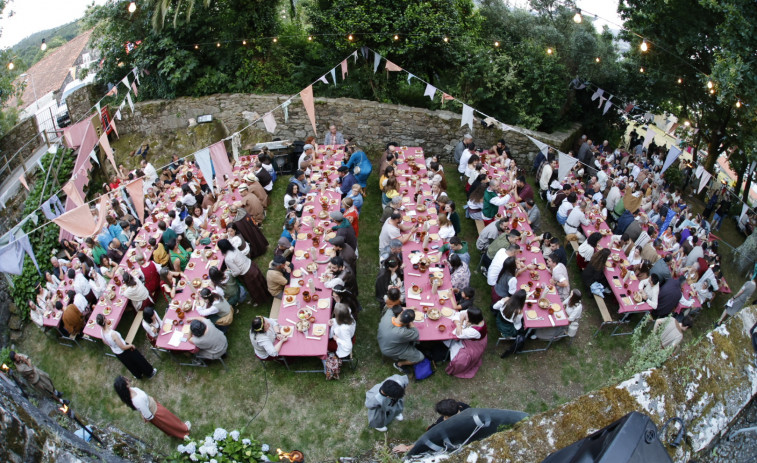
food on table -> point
(637, 297)
(555, 307)
(442, 328)
(531, 314)
(324, 303)
(107, 311)
(90, 324)
(415, 289)
(112, 295)
(551, 288)
(312, 267)
(535, 249)
(299, 253)
(447, 312)
(208, 253)
(434, 314)
(290, 291)
(542, 267)
(419, 316)
(190, 266)
(167, 326)
(196, 283)
(616, 257)
(286, 330)
(303, 326)
(297, 273)
(289, 299)
(544, 303)
(304, 314)
(534, 274)
(323, 215)
(319, 329)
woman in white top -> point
(467, 351)
(342, 331)
(124, 351)
(263, 332)
(213, 306)
(151, 323)
(199, 216)
(108, 268)
(292, 199)
(650, 289)
(247, 271)
(152, 411)
(51, 282)
(573, 309)
(135, 291)
(237, 241)
(446, 230)
(587, 248)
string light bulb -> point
(680, 81)
(597, 59)
(577, 18)
(396, 37)
(549, 51)
(197, 47)
(496, 43)
(244, 42)
(132, 7)
(43, 47)
(641, 70)
(310, 38)
(644, 47)
(687, 123)
(446, 39)
(275, 39)
(738, 103)
(712, 91)
(710, 84)
(218, 44)
(350, 37)
(11, 65)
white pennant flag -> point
(131, 104)
(543, 147)
(566, 163)
(236, 145)
(706, 176)
(270, 123)
(376, 61)
(333, 75)
(601, 100)
(430, 91)
(136, 74)
(607, 105)
(122, 105)
(98, 107)
(324, 80)
(507, 128)
(285, 107)
(648, 137)
(699, 171)
(409, 76)
(597, 94)
(94, 157)
(126, 82)
(744, 210)
(467, 116)
(673, 154)
(354, 55)
(118, 115)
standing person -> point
(342, 331)
(385, 402)
(152, 411)
(33, 375)
(132, 359)
(737, 302)
(359, 165)
(246, 270)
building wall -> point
(16, 140)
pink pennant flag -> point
(392, 67)
(137, 193)
(79, 221)
(22, 179)
(220, 159)
(270, 123)
(629, 107)
(447, 97)
(344, 69)
(73, 193)
(134, 87)
(307, 100)
(105, 145)
(113, 126)
(113, 91)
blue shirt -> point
(346, 183)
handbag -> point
(423, 369)
(356, 170)
(228, 318)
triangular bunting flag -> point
(307, 100)
(601, 100)
(607, 105)
(113, 126)
(134, 87)
(270, 123)
(324, 80)
(131, 103)
(285, 107)
(376, 61)
(354, 55)
(648, 116)
(136, 74)
(93, 156)
(118, 114)
(430, 91)
(699, 171)
(409, 76)
(648, 137)
(706, 176)
(629, 107)
(105, 145)
(344, 69)
(333, 75)
(126, 82)
(392, 67)
(364, 52)
(467, 116)
(565, 164)
(543, 147)
(22, 179)
(673, 154)
(597, 94)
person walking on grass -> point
(152, 411)
(385, 402)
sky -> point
(30, 16)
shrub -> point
(223, 446)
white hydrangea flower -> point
(180, 448)
(264, 458)
(212, 450)
(208, 440)
(234, 435)
(213, 460)
(220, 434)
(190, 448)
(203, 450)
(265, 447)
(193, 457)
(246, 441)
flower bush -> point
(222, 447)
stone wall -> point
(706, 385)
(80, 102)
(372, 124)
(15, 139)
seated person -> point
(466, 352)
(209, 340)
(263, 332)
(397, 337)
(342, 331)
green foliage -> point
(45, 241)
(28, 52)
(646, 352)
(674, 177)
(222, 447)
(5, 357)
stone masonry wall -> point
(14, 140)
(372, 124)
(706, 385)
(80, 102)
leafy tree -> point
(699, 42)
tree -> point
(701, 62)
(162, 8)
(8, 116)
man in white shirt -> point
(602, 178)
(498, 262)
(546, 174)
(613, 196)
(576, 218)
(635, 171)
(150, 173)
(467, 153)
(392, 230)
(490, 233)
(177, 224)
(307, 151)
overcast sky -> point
(30, 16)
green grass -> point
(326, 419)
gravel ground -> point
(743, 447)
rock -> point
(15, 322)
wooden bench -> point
(574, 245)
(275, 308)
(134, 327)
(480, 225)
(608, 320)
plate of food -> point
(330, 235)
(289, 299)
(167, 326)
(544, 303)
(541, 267)
(304, 314)
(324, 303)
(609, 264)
(534, 275)
(197, 282)
(433, 237)
(319, 329)
(297, 273)
(208, 253)
(303, 326)
(415, 257)
(447, 312)
(107, 311)
(443, 294)
(531, 314)
(302, 236)
(299, 253)
(112, 295)
(420, 208)
(535, 249)
(434, 314)
(312, 267)
(419, 316)
(555, 307)
(637, 297)
(286, 330)
(91, 324)
(415, 290)
(616, 257)
(190, 266)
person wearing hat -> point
(344, 229)
(254, 186)
(299, 179)
(345, 251)
(333, 137)
(345, 180)
(252, 204)
(284, 248)
(395, 205)
(246, 227)
(278, 275)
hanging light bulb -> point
(275, 40)
(712, 91)
(577, 18)
(641, 70)
(350, 37)
(11, 65)
(549, 51)
(197, 47)
(644, 47)
(310, 38)
(738, 103)
(244, 42)
(687, 123)
(446, 39)
(496, 43)
(43, 47)
(132, 7)
(218, 45)
(710, 84)
(597, 59)
(396, 37)
(680, 81)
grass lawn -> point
(326, 419)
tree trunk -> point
(747, 187)
(712, 154)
